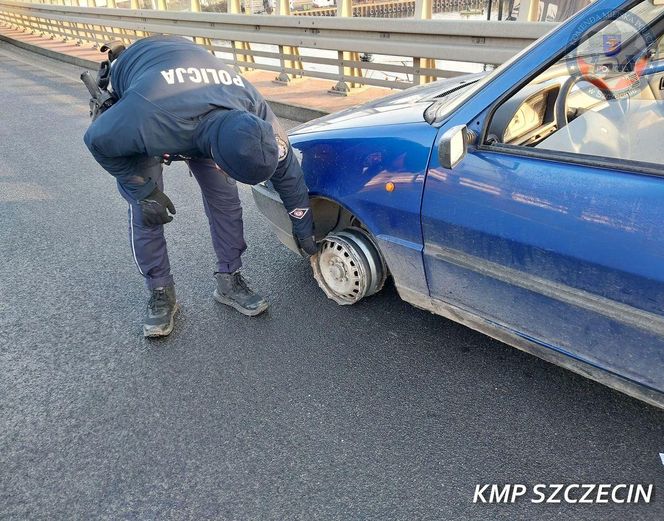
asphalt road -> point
(313, 411)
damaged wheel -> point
(348, 266)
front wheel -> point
(348, 266)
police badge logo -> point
(612, 44)
(601, 62)
(283, 148)
(298, 213)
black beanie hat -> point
(244, 146)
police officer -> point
(174, 97)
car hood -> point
(407, 106)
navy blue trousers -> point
(224, 213)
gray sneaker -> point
(160, 312)
(233, 291)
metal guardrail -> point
(404, 8)
(293, 46)
(399, 8)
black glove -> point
(155, 208)
(307, 246)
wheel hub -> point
(337, 271)
(348, 266)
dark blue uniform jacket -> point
(169, 92)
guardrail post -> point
(111, 4)
(55, 25)
(51, 25)
(13, 21)
(196, 8)
(133, 4)
(33, 24)
(345, 10)
(235, 7)
(85, 32)
(423, 11)
(67, 31)
(75, 25)
(283, 9)
(94, 28)
(528, 11)
(29, 23)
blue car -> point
(527, 203)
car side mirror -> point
(453, 145)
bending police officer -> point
(174, 97)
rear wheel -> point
(348, 266)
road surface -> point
(313, 411)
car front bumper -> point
(270, 205)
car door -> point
(560, 242)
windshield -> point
(603, 99)
(440, 110)
(643, 11)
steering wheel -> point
(561, 101)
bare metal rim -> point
(348, 266)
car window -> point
(605, 98)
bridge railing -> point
(401, 8)
(296, 46)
